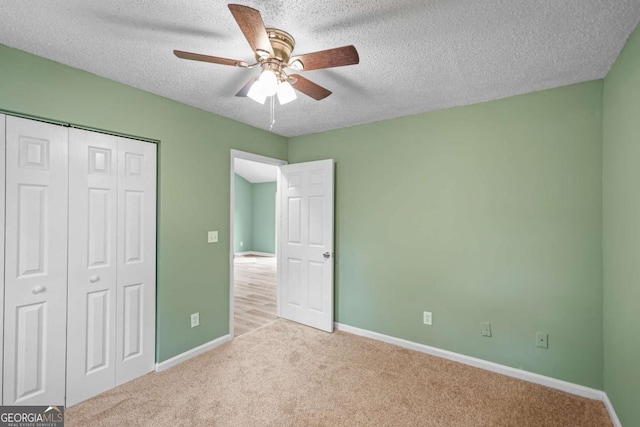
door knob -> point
(39, 289)
(327, 255)
(94, 279)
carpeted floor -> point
(285, 374)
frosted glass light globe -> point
(269, 82)
(286, 93)
(256, 92)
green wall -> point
(254, 216)
(489, 212)
(242, 215)
(621, 160)
(264, 217)
(193, 180)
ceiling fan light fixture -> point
(273, 48)
(269, 82)
(256, 92)
(286, 93)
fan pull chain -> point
(273, 112)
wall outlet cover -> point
(427, 318)
(542, 340)
(212, 237)
(485, 329)
(195, 320)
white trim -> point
(265, 254)
(237, 154)
(192, 353)
(612, 412)
(568, 387)
(279, 264)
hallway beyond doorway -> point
(254, 292)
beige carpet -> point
(285, 374)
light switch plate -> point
(212, 237)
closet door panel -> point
(2, 179)
(36, 263)
(91, 329)
(135, 343)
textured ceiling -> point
(415, 56)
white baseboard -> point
(612, 412)
(192, 353)
(479, 363)
(267, 254)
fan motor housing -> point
(282, 44)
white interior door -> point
(36, 263)
(2, 175)
(136, 283)
(306, 243)
(91, 315)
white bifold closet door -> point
(136, 282)
(36, 263)
(93, 185)
(112, 211)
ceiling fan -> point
(273, 48)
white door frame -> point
(237, 154)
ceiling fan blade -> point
(245, 89)
(309, 88)
(250, 22)
(337, 57)
(207, 58)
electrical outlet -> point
(427, 318)
(195, 320)
(542, 340)
(212, 237)
(485, 329)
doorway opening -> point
(253, 252)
